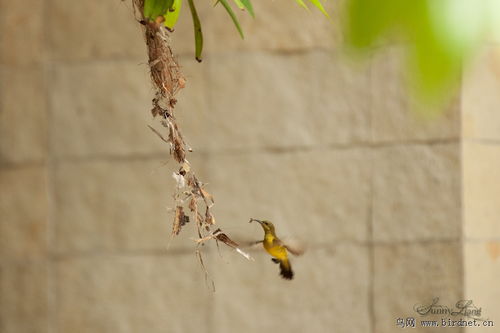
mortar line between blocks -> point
(161, 252)
(462, 199)
(250, 151)
(328, 147)
(484, 141)
(371, 250)
(371, 240)
(100, 253)
(49, 162)
(51, 303)
(462, 141)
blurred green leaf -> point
(198, 34)
(229, 10)
(318, 5)
(239, 4)
(173, 14)
(170, 10)
(245, 4)
(301, 4)
(441, 34)
(155, 8)
(248, 6)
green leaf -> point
(302, 4)
(233, 16)
(239, 4)
(318, 4)
(173, 14)
(155, 8)
(248, 6)
(245, 4)
(198, 35)
(440, 36)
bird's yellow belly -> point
(277, 251)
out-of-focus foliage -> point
(245, 4)
(230, 12)
(316, 3)
(170, 9)
(172, 15)
(440, 34)
(198, 34)
(155, 8)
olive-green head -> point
(266, 225)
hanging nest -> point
(190, 194)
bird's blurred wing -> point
(294, 246)
(251, 244)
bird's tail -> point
(286, 269)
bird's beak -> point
(251, 220)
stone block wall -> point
(481, 180)
(395, 209)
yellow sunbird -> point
(275, 247)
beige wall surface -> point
(396, 210)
